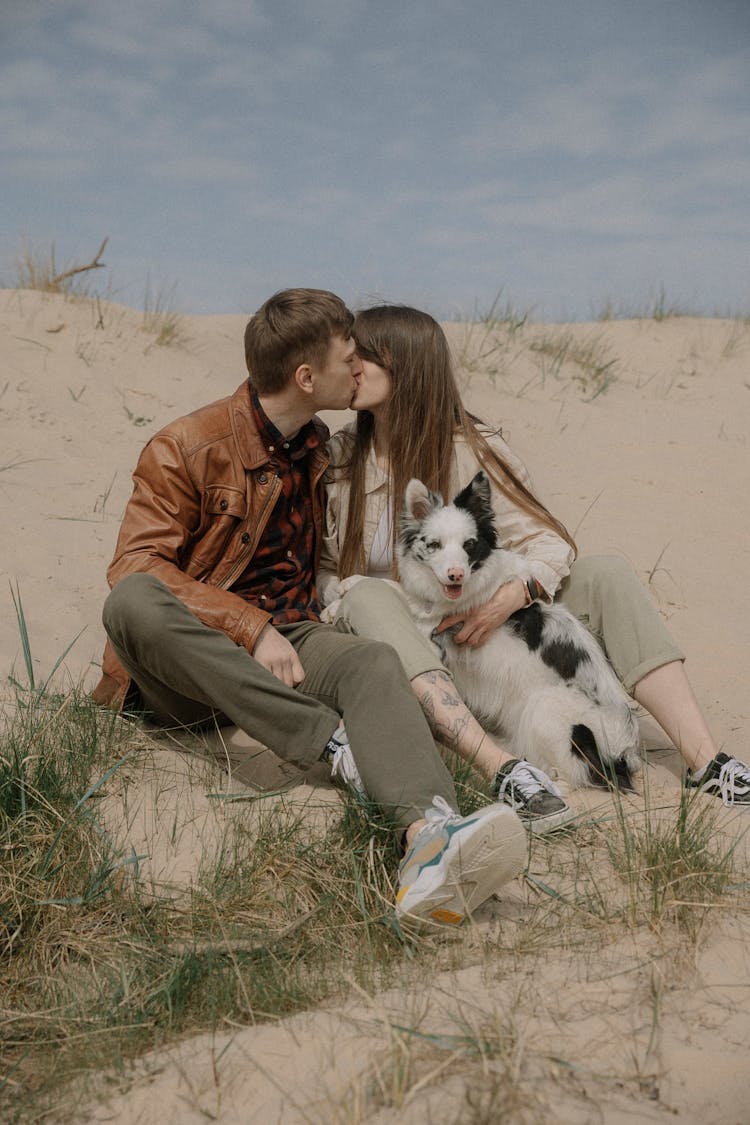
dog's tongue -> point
(452, 591)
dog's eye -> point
(432, 545)
(469, 545)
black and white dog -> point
(541, 681)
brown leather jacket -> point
(203, 494)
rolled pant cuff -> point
(633, 678)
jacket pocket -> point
(222, 511)
(222, 501)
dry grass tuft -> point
(488, 341)
(588, 363)
(37, 269)
(100, 964)
(160, 318)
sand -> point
(638, 441)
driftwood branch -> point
(94, 264)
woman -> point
(411, 423)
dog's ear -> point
(476, 499)
(419, 501)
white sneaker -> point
(456, 862)
(338, 753)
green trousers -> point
(192, 675)
(602, 590)
(606, 594)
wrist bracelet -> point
(532, 590)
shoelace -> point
(729, 774)
(343, 766)
(439, 813)
(528, 780)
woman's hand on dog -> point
(480, 623)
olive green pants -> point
(192, 675)
(602, 590)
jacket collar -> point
(252, 451)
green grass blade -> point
(89, 793)
(60, 659)
(26, 646)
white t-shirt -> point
(381, 554)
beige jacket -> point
(548, 554)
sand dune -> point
(636, 434)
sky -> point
(561, 156)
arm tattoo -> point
(438, 700)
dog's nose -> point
(456, 574)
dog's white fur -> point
(506, 683)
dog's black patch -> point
(614, 775)
(408, 533)
(476, 500)
(442, 639)
(583, 743)
(528, 624)
(564, 657)
(478, 550)
(619, 775)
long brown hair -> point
(421, 419)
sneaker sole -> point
(541, 825)
(481, 858)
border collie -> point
(540, 681)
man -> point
(214, 611)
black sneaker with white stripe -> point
(723, 777)
(532, 795)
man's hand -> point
(480, 623)
(275, 653)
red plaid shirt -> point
(280, 577)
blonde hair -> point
(422, 418)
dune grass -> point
(487, 341)
(589, 363)
(99, 967)
(657, 306)
(675, 868)
(160, 317)
(37, 268)
(505, 338)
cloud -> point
(169, 33)
(395, 148)
(615, 106)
